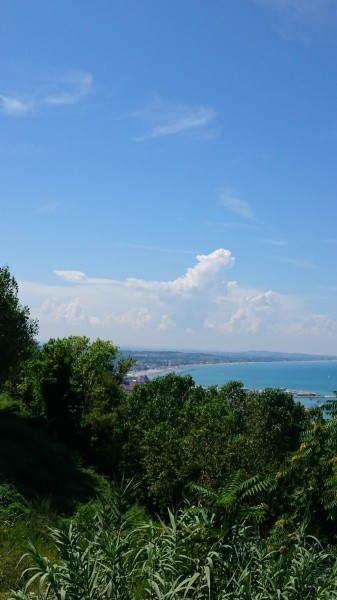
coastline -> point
(153, 372)
(308, 381)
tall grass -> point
(184, 558)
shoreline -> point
(299, 392)
(169, 369)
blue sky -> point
(168, 170)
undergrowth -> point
(186, 556)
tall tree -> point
(75, 384)
(17, 329)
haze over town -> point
(169, 171)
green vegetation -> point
(225, 494)
(185, 556)
(17, 330)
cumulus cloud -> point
(201, 274)
(134, 318)
(65, 89)
(195, 277)
(71, 312)
(200, 308)
(267, 314)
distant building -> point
(129, 383)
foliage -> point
(173, 433)
(75, 385)
(13, 506)
(233, 502)
(17, 329)
(184, 557)
(276, 422)
(37, 466)
(252, 571)
(307, 483)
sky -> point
(168, 170)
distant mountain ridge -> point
(158, 359)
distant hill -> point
(158, 359)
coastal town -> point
(151, 363)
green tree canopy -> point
(75, 384)
(17, 329)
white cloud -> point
(73, 276)
(71, 312)
(163, 119)
(199, 309)
(202, 273)
(166, 323)
(195, 277)
(13, 106)
(296, 262)
(66, 89)
(230, 199)
(192, 119)
(266, 314)
(134, 318)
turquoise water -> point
(309, 376)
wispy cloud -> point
(14, 106)
(231, 224)
(69, 88)
(155, 248)
(302, 8)
(307, 18)
(72, 276)
(163, 119)
(190, 120)
(295, 262)
(49, 207)
(231, 200)
(275, 242)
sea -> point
(302, 378)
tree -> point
(276, 424)
(75, 385)
(17, 329)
